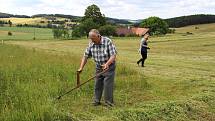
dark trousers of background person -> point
(142, 60)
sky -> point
(121, 9)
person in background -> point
(143, 48)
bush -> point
(76, 32)
(3, 22)
(61, 33)
(19, 25)
(107, 30)
(122, 35)
(42, 21)
(171, 31)
(9, 33)
(196, 27)
(189, 33)
(156, 25)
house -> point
(139, 31)
(123, 31)
(131, 31)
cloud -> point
(127, 9)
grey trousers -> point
(105, 82)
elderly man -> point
(103, 51)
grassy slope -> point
(33, 21)
(176, 84)
(24, 20)
(25, 33)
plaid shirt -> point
(101, 52)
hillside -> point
(198, 29)
(190, 20)
(32, 21)
(182, 21)
(175, 22)
(6, 15)
(51, 16)
(78, 18)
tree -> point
(76, 32)
(57, 33)
(93, 19)
(156, 25)
(190, 20)
(94, 13)
(65, 33)
(107, 30)
(10, 23)
(88, 24)
(9, 33)
(85, 27)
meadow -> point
(177, 84)
(33, 21)
(25, 33)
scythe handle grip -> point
(78, 78)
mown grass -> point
(176, 84)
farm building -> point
(131, 31)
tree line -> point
(5, 22)
(94, 19)
(190, 20)
(5, 15)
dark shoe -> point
(137, 63)
(108, 104)
(96, 103)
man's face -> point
(95, 38)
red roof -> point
(128, 31)
(139, 31)
(123, 31)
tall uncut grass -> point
(30, 81)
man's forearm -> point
(111, 60)
(83, 62)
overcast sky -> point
(122, 9)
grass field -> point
(25, 33)
(25, 20)
(42, 21)
(178, 82)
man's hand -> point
(83, 62)
(79, 70)
(105, 66)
